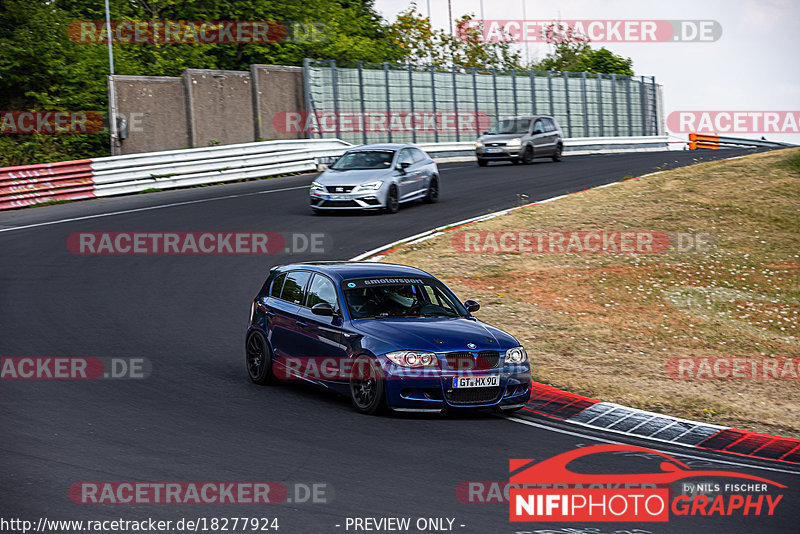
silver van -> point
(520, 140)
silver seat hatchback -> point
(376, 177)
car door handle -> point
(301, 324)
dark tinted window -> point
(364, 159)
(511, 126)
(277, 285)
(321, 290)
(400, 297)
(294, 287)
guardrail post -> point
(494, 88)
(566, 99)
(600, 104)
(585, 106)
(514, 89)
(475, 96)
(411, 101)
(643, 105)
(256, 102)
(361, 99)
(335, 84)
(628, 106)
(388, 101)
(433, 100)
(309, 100)
(614, 104)
(654, 109)
(455, 105)
(190, 120)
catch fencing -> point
(585, 104)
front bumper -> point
(503, 152)
(432, 389)
(347, 201)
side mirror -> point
(404, 165)
(485, 133)
(538, 131)
(322, 308)
(471, 306)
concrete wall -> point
(205, 107)
(278, 89)
(155, 108)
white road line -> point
(683, 454)
(148, 208)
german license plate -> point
(476, 381)
(494, 150)
(338, 197)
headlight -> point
(516, 355)
(409, 358)
(478, 144)
(316, 186)
(369, 186)
(515, 142)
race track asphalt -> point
(198, 417)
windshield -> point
(377, 298)
(510, 126)
(364, 160)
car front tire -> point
(392, 200)
(367, 388)
(258, 358)
(482, 162)
(527, 155)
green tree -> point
(421, 44)
(572, 52)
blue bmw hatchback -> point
(387, 336)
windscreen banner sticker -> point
(359, 283)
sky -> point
(753, 66)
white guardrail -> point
(117, 175)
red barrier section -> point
(26, 185)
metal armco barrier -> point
(697, 141)
(28, 185)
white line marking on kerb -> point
(148, 208)
(683, 454)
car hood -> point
(434, 334)
(334, 177)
